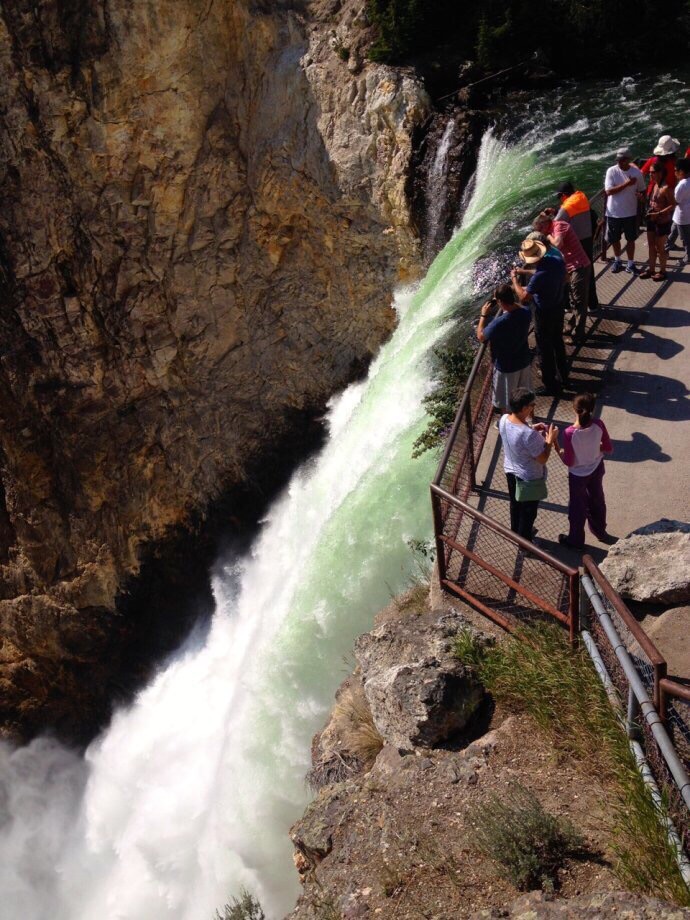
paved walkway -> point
(636, 355)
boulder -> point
(670, 632)
(652, 565)
(419, 693)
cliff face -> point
(203, 217)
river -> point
(188, 795)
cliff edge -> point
(204, 215)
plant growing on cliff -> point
(358, 740)
(246, 907)
(539, 674)
(528, 842)
(454, 366)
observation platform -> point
(636, 359)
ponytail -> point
(584, 408)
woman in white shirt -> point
(526, 449)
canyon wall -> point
(203, 218)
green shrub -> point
(539, 674)
(454, 366)
(530, 844)
(246, 907)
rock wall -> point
(203, 218)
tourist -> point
(526, 450)
(574, 208)
(585, 444)
(659, 211)
(578, 267)
(681, 215)
(507, 337)
(624, 184)
(545, 289)
(665, 154)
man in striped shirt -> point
(575, 209)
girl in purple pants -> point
(585, 443)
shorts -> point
(506, 382)
(659, 229)
(621, 226)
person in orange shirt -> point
(574, 208)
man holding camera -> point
(507, 336)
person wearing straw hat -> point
(624, 185)
(545, 290)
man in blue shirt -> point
(507, 337)
(545, 289)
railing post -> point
(574, 608)
(438, 531)
(470, 444)
(660, 670)
(632, 717)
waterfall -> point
(188, 795)
(435, 194)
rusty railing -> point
(671, 700)
(506, 578)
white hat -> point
(624, 153)
(666, 145)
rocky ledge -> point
(412, 748)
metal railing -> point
(648, 660)
(653, 704)
(502, 575)
(508, 586)
(506, 578)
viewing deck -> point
(636, 358)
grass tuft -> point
(358, 740)
(360, 736)
(519, 834)
(559, 688)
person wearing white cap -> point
(664, 153)
(624, 185)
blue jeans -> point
(684, 231)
